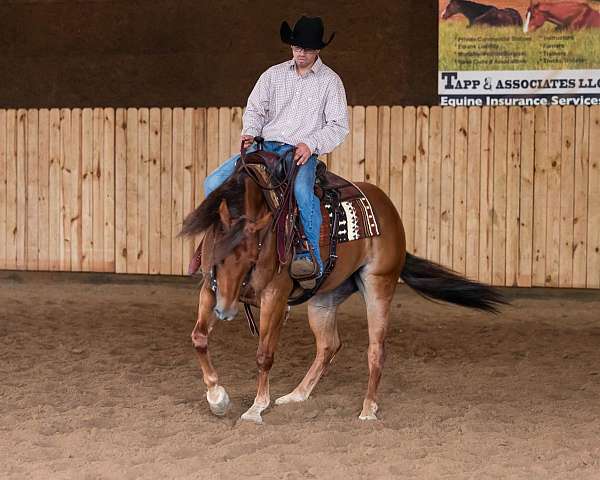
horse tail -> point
(437, 282)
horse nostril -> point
(225, 314)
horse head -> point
(238, 248)
(534, 18)
(451, 9)
(234, 217)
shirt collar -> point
(317, 65)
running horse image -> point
(480, 14)
(249, 226)
(565, 15)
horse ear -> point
(224, 214)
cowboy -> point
(299, 103)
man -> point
(299, 103)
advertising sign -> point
(517, 52)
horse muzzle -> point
(227, 314)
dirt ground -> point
(99, 381)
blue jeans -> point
(308, 203)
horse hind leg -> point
(378, 291)
(322, 310)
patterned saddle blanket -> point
(356, 218)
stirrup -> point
(308, 284)
(303, 267)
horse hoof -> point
(369, 412)
(289, 398)
(252, 416)
(370, 416)
(218, 401)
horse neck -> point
(472, 10)
(255, 205)
(559, 13)
(254, 200)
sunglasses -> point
(308, 51)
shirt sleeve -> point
(257, 107)
(336, 121)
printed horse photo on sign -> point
(250, 227)
(480, 14)
(564, 15)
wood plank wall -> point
(509, 196)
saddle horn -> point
(259, 142)
(260, 145)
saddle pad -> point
(356, 220)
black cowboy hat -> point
(307, 33)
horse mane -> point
(207, 213)
(232, 238)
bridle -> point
(212, 277)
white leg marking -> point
(293, 397)
(218, 400)
(254, 413)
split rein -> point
(287, 181)
(284, 213)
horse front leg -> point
(273, 309)
(217, 397)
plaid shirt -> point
(286, 107)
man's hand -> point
(247, 140)
(302, 153)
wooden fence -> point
(509, 196)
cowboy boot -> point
(303, 266)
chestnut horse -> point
(240, 244)
(565, 15)
(480, 14)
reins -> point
(289, 174)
